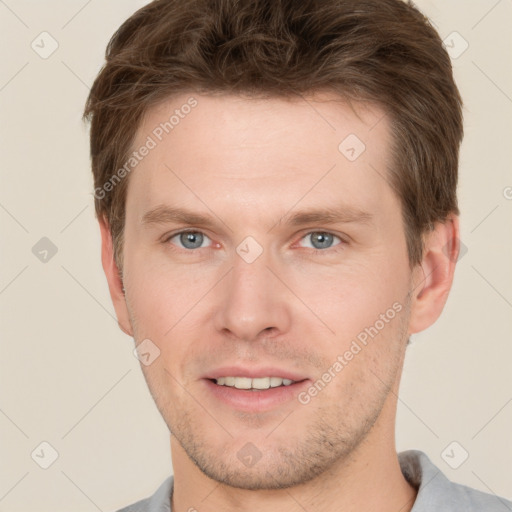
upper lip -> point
(254, 373)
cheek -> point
(162, 294)
(367, 354)
(349, 298)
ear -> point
(434, 276)
(115, 284)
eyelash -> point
(329, 250)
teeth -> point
(242, 383)
(261, 383)
(257, 383)
(275, 381)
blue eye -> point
(321, 240)
(190, 239)
(196, 240)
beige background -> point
(68, 375)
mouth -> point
(254, 394)
(254, 384)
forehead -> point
(256, 153)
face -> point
(263, 240)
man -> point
(275, 183)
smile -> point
(260, 383)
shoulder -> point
(160, 501)
(437, 493)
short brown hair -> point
(381, 51)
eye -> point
(321, 240)
(189, 239)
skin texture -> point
(249, 165)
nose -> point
(253, 302)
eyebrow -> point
(163, 214)
(330, 215)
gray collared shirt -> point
(435, 492)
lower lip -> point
(255, 401)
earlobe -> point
(433, 278)
(115, 283)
